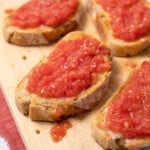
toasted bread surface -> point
(46, 109)
(115, 141)
(42, 35)
(118, 47)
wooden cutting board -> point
(16, 61)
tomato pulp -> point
(130, 19)
(129, 113)
(72, 67)
(43, 12)
(59, 130)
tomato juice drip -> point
(59, 130)
(72, 67)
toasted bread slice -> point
(52, 109)
(111, 140)
(118, 46)
(41, 35)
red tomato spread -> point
(129, 113)
(43, 12)
(73, 66)
(130, 19)
(59, 130)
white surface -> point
(3, 144)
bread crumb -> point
(24, 57)
(130, 64)
(37, 131)
(9, 11)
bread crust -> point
(118, 47)
(45, 109)
(42, 35)
(115, 141)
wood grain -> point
(14, 67)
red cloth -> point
(8, 128)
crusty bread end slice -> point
(114, 141)
(52, 109)
(41, 35)
(118, 47)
